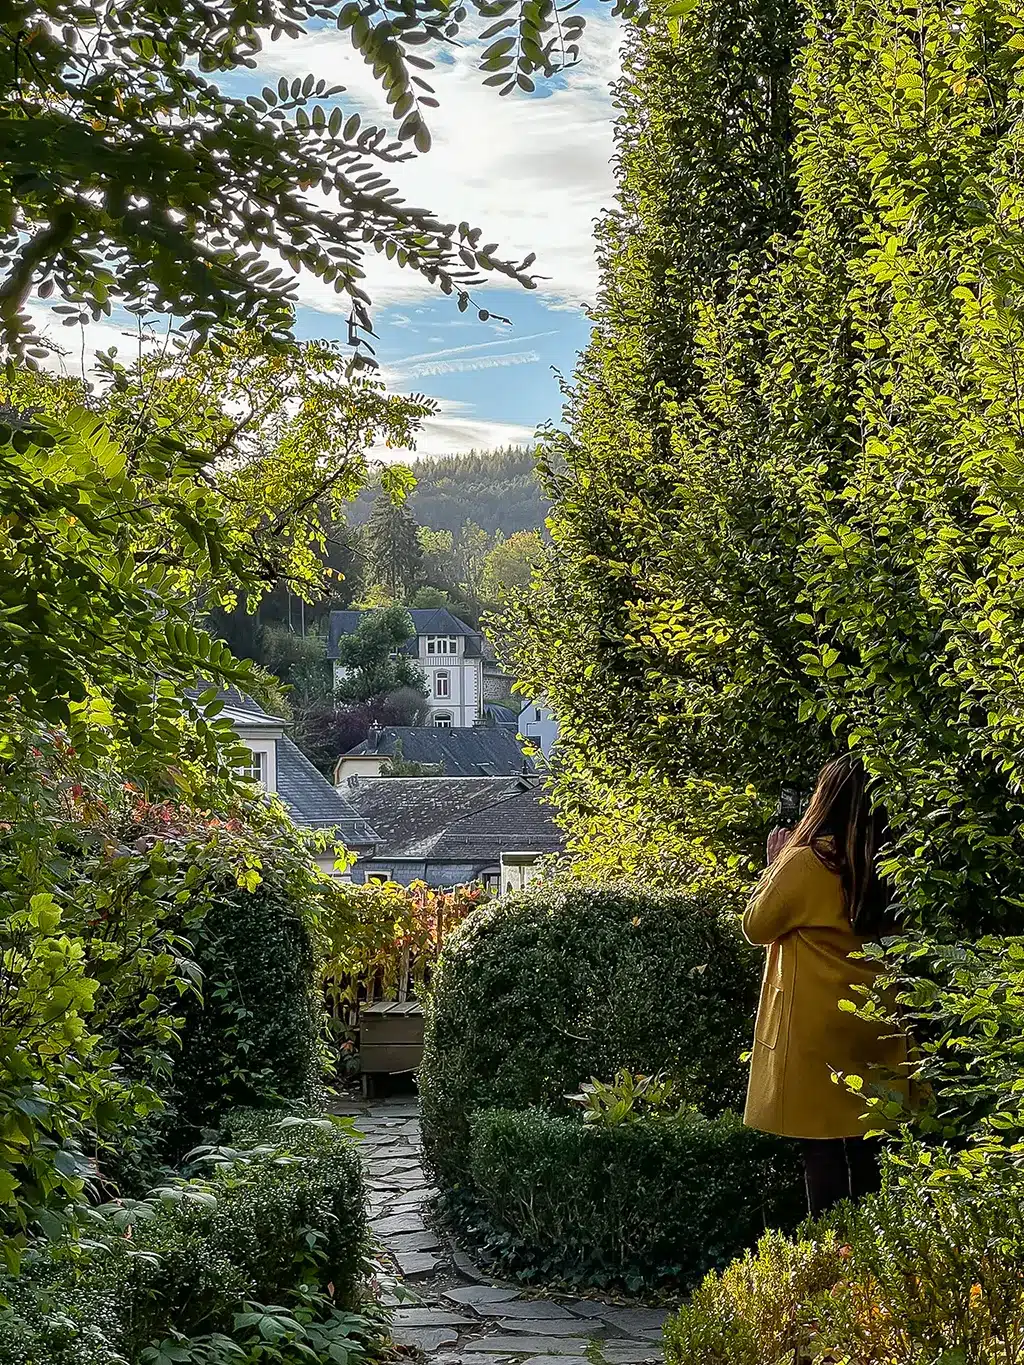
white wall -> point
(537, 724)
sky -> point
(533, 172)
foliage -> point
(649, 1204)
(100, 556)
(325, 730)
(256, 1036)
(790, 515)
(629, 1097)
(509, 566)
(394, 556)
(285, 425)
(655, 545)
(300, 661)
(383, 938)
(371, 655)
(550, 987)
(131, 176)
(400, 766)
(927, 1275)
(497, 489)
(964, 1005)
(279, 1218)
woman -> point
(820, 901)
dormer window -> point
(442, 644)
(255, 770)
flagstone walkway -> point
(445, 1307)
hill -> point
(497, 489)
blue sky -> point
(532, 172)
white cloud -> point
(455, 430)
(531, 173)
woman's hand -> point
(777, 841)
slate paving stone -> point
(629, 1352)
(527, 1346)
(536, 1308)
(551, 1327)
(426, 1338)
(467, 1267)
(557, 1360)
(638, 1322)
(412, 1199)
(415, 1264)
(399, 1224)
(429, 1316)
(480, 1296)
(414, 1241)
(587, 1308)
(477, 1360)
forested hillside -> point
(496, 489)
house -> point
(538, 725)
(481, 751)
(450, 831)
(281, 767)
(448, 651)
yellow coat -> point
(801, 1035)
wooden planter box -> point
(390, 1038)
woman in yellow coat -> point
(820, 901)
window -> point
(380, 878)
(255, 770)
(536, 714)
(442, 683)
(442, 644)
(443, 720)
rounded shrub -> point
(541, 991)
(646, 1203)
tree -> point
(837, 563)
(508, 567)
(283, 427)
(370, 658)
(325, 730)
(704, 160)
(130, 176)
(393, 553)
(98, 647)
(471, 547)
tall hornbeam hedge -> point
(789, 518)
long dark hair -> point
(846, 828)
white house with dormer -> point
(449, 652)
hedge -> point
(191, 1256)
(544, 990)
(652, 1203)
(257, 1035)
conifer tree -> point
(393, 548)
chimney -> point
(374, 736)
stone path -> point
(444, 1306)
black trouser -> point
(839, 1168)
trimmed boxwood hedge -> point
(541, 991)
(646, 1203)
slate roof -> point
(314, 803)
(469, 820)
(425, 620)
(521, 822)
(477, 751)
(311, 800)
